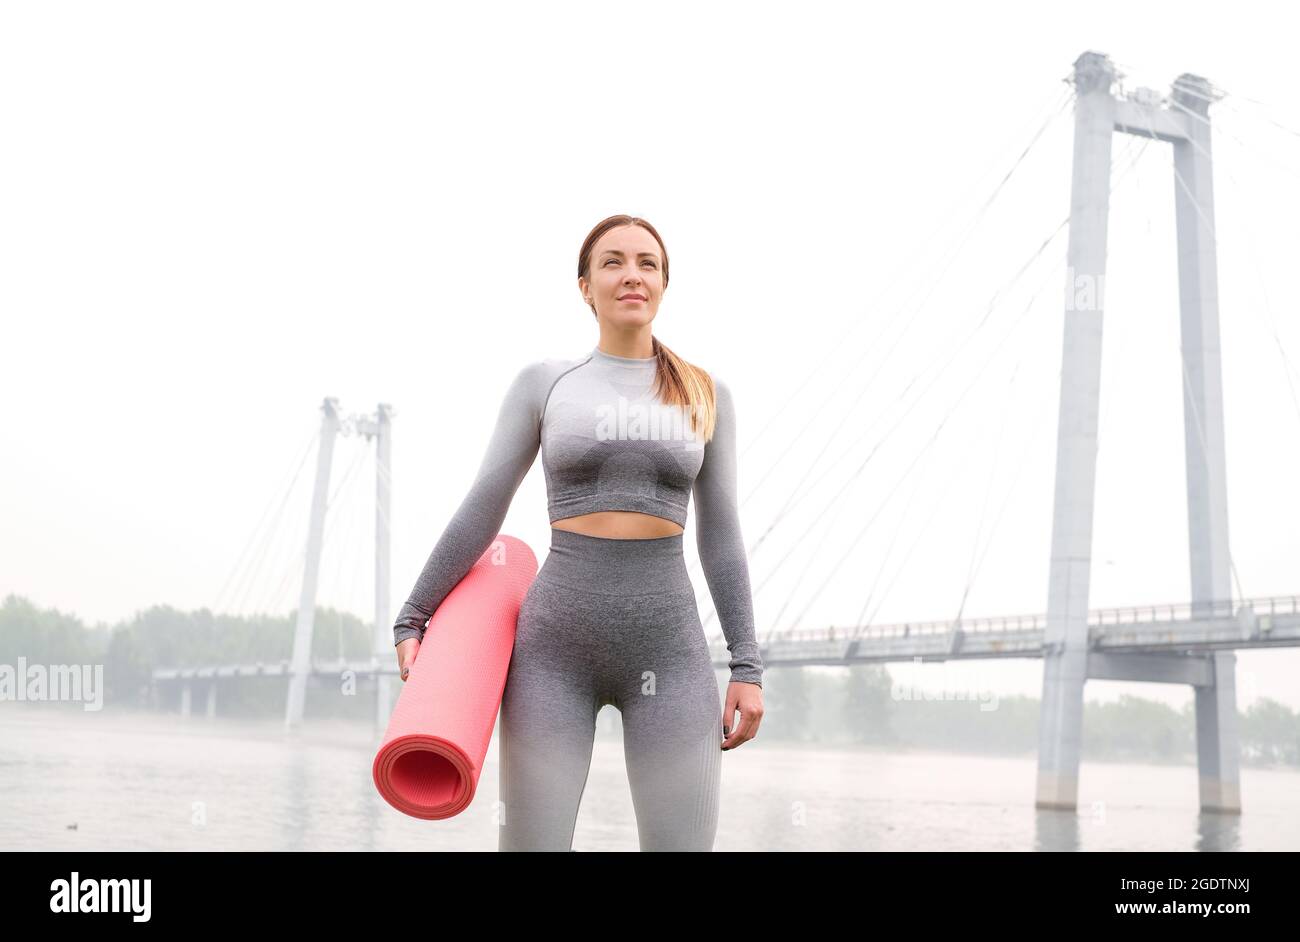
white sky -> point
(215, 216)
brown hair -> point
(677, 382)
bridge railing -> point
(1190, 611)
(1099, 618)
(1001, 623)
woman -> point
(627, 433)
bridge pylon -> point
(1067, 665)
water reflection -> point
(1056, 829)
(1218, 831)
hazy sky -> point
(215, 216)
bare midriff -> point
(619, 525)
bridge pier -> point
(1213, 681)
(212, 698)
(1218, 749)
(1060, 728)
(187, 694)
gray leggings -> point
(610, 621)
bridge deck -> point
(1156, 629)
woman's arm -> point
(514, 445)
(720, 545)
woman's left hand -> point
(748, 700)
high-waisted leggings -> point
(610, 621)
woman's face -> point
(626, 277)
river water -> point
(115, 780)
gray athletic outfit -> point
(608, 620)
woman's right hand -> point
(406, 652)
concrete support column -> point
(300, 665)
(1065, 661)
(1217, 744)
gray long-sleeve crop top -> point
(606, 444)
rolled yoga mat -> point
(429, 762)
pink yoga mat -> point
(429, 763)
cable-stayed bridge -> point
(1188, 642)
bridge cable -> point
(1066, 98)
(1058, 102)
(300, 558)
(1271, 322)
(992, 305)
(238, 579)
